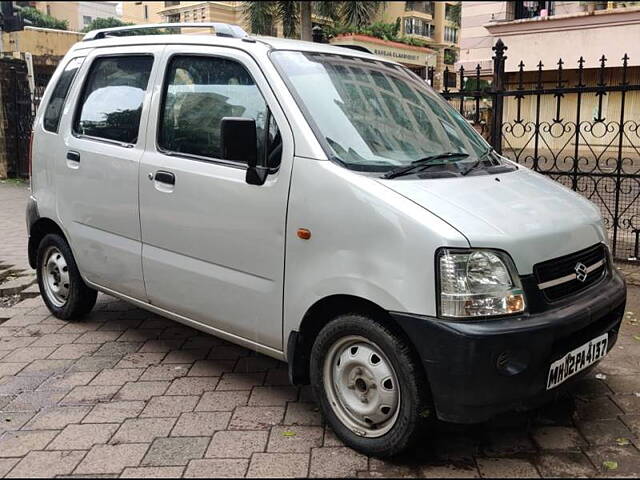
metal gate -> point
(20, 110)
(578, 126)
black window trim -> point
(191, 156)
(80, 102)
(66, 97)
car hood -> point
(531, 217)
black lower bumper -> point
(479, 369)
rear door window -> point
(56, 103)
(111, 103)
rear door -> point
(213, 246)
(97, 179)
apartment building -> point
(547, 31)
(79, 14)
(184, 12)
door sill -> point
(251, 345)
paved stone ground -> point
(127, 393)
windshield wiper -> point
(477, 162)
(422, 163)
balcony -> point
(420, 7)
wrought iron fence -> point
(580, 127)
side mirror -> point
(238, 137)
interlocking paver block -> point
(278, 465)
(118, 348)
(165, 372)
(605, 432)
(600, 408)
(240, 381)
(557, 438)
(221, 468)
(302, 413)
(94, 363)
(139, 335)
(143, 430)
(256, 418)
(227, 352)
(99, 336)
(506, 468)
(175, 450)
(169, 406)
(46, 367)
(18, 444)
(272, 396)
(67, 381)
(18, 385)
(111, 458)
(117, 376)
(211, 368)
(28, 354)
(255, 363)
(153, 472)
(163, 345)
(34, 401)
(294, 439)
(200, 424)
(448, 471)
(192, 385)
(228, 444)
(83, 437)
(186, 356)
(336, 462)
(7, 464)
(627, 459)
(11, 368)
(141, 360)
(115, 411)
(46, 464)
(56, 418)
(73, 351)
(141, 390)
(10, 421)
(55, 339)
(90, 394)
(564, 465)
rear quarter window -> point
(111, 102)
(56, 103)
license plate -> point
(577, 360)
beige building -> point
(79, 14)
(547, 31)
(184, 12)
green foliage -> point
(454, 13)
(108, 22)
(450, 56)
(40, 19)
(261, 17)
(358, 13)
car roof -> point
(251, 44)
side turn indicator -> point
(304, 234)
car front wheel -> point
(370, 387)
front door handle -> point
(73, 159)
(165, 177)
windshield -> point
(377, 116)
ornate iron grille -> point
(576, 126)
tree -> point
(107, 22)
(263, 16)
(39, 19)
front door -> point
(97, 178)
(213, 245)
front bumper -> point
(461, 358)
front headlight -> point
(478, 283)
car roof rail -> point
(220, 29)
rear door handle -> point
(165, 177)
(73, 156)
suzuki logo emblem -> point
(581, 271)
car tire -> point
(371, 388)
(62, 288)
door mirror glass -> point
(238, 138)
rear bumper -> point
(460, 358)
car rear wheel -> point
(372, 391)
(62, 288)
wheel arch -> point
(37, 232)
(300, 341)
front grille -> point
(557, 278)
